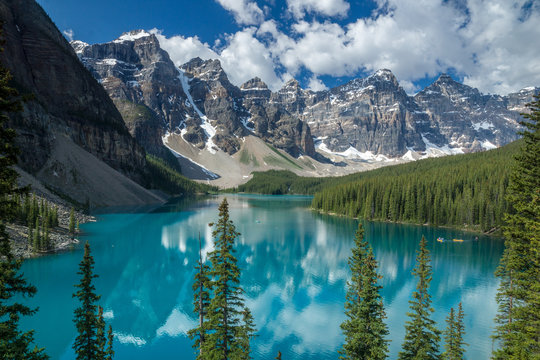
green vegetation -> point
(421, 335)
(161, 176)
(364, 329)
(271, 160)
(281, 182)
(518, 297)
(453, 335)
(462, 190)
(90, 342)
(225, 324)
(39, 216)
(246, 158)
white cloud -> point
(182, 49)
(316, 84)
(69, 34)
(489, 43)
(245, 57)
(323, 7)
(245, 12)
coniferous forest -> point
(461, 190)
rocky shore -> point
(60, 238)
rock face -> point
(196, 100)
(464, 118)
(365, 117)
(375, 115)
(64, 99)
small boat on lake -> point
(457, 240)
(440, 239)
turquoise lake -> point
(294, 271)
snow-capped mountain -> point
(370, 119)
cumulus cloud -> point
(69, 34)
(322, 7)
(316, 84)
(182, 49)
(245, 12)
(487, 43)
(243, 57)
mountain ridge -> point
(369, 119)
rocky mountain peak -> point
(384, 75)
(205, 70)
(78, 46)
(254, 84)
(132, 36)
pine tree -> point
(201, 302)
(421, 335)
(109, 352)
(245, 334)
(518, 297)
(364, 329)
(101, 340)
(72, 222)
(86, 321)
(226, 304)
(14, 344)
(453, 335)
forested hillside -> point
(462, 190)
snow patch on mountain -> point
(433, 150)
(486, 125)
(209, 130)
(488, 145)
(351, 153)
(132, 36)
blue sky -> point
(488, 44)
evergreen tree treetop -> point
(518, 297)
(421, 335)
(364, 328)
(86, 345)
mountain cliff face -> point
(197, 100)
(369, 119)
(66, 108)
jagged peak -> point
(78, 46)
(132, 36)
(254, 84)
(291, 84)
(384, 74)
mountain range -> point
(92, 112)
(195, 110)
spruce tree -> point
(364, 328)
(14, 343)
(246, 334)
(109, 352)
(453, 335)
(226, 305)
(86, 321)
(201, 302)
(72, 222)
(518, 297)
(101, 340)
(421, 335)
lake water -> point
(294, 271)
